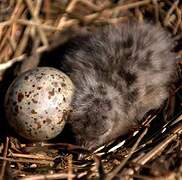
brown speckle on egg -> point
(63, 84)
(33, 111)
(64, 99)
(20, 97)
(16, 109)
(34, 101)
(51, 93)
(38, 126)
(26, 77)
(48, 121)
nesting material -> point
(27, 29)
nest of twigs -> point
(27, 29)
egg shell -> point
(37, 103)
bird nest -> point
(28, 29)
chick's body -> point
(120, 72)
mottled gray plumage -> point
(120, 73)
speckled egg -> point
(37, 103)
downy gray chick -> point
(120, 72)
